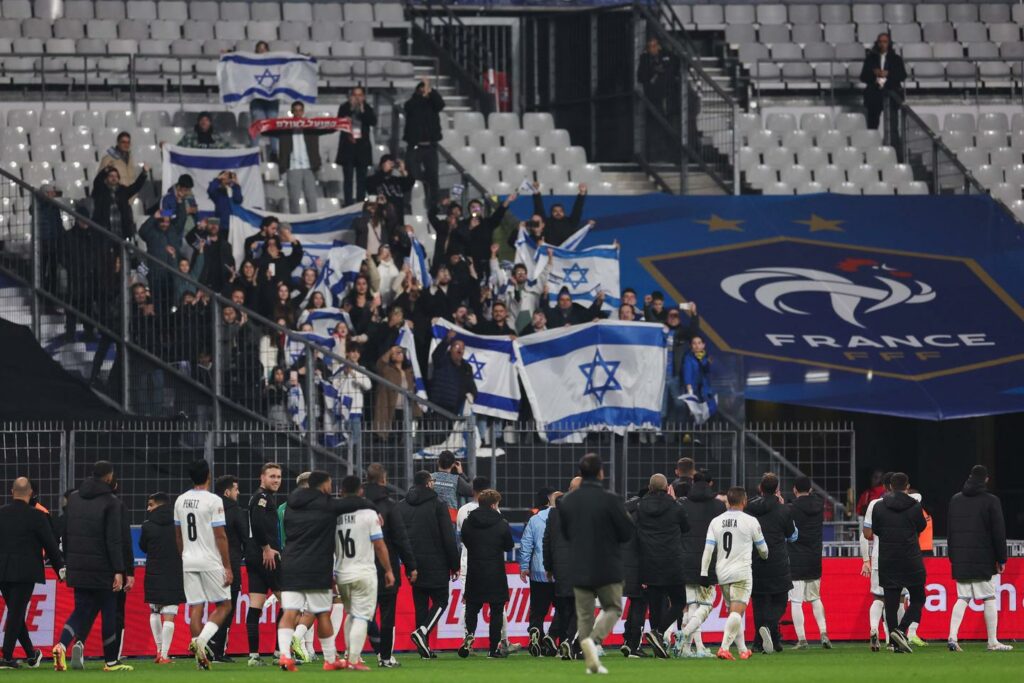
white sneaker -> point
(766, 640)
(78, 655)
(590, 656)
(999, 647)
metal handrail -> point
(654, 175)
(485, 193)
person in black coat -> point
(772, 581)
(93, 548)
(632, 588)
(354, 153)
(556, 564)
(274, 266)
(558, 226)
(26, 535)
(701, 506)
(437, 558)
(565, 312)
(393, 188)
(661, 523)
(423, 134)
(487, 537)
(453, 377)
(896, 520)
(396, 536)
(808, 511)
(477, 233)
(596, 524)
(111, 201)
(236, 522)
(976, 534)
(883, 72)
(164, 589)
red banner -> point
(844, 592)
(321, 124)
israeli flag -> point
(493, 362)
(606, 375)
(316, 231)
(585, 273)
(206, 164)
(419, 264)
(295, 350)
(243, 76)
(406, 341)
(297, 407)
(324, 320)
(534, 258)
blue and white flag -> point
(206, 164)
(420, 264)
(585, 273)
(493, 362)
(316, 231)
(295, 349)
(406, 341)
(324, 320)
(243, 76)
(535, 259)
(607, 375)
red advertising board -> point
(844, 592)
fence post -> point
(311, 403)
(471, 445)
(735, 456)
(219, 368)
(494, 454)
(37, 276)
(852, 512)
(739, 474)
(612, 461)
(410, 468)
(125, 327)
(67, 469)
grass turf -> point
(844, 663)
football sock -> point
(957, 617)
(875, 614)
(818, 608)
(732, 627)
(337, 615)
(357, 632)
(991, 621)
(209, 630)
(284, 641)
(330, 650)
(300, 631)
(912, 631)
(166, 638)
(307, 642)
(154, 626)
(252, 629)
(741, 638)
(797, 612)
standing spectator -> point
(422, 135)
(701, 506)
(808, 510)
(697, 382)
(372, 227)
(596, 524)
(487, 537)
(164, 240)
(450, 482)
(202, 135)
(51, 234)
(181, 203)
(389, 403)
(96, 568)
(772, 581)
(120, 157)
(558, 226)
(394, 188)
(883, 72)
(300, 162)
(351, 384)
(655, 311)
(27, 534)
(224, 191)
(217, 262)
(679, 334)
(478, 230)
(254, 245)
(259, 108)
(354, 152)
(236, 523)
(437, 558)
(977, 552)
(531, 568)
(453, 382)
(274, 266)
(111, 201)
(658, 75)
(566, 312)
(164, 589)
(538, 323)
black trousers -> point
(429, 604)
(423, 166)
(768, 611)
(17, 595)
(563, 625)
(667, 605)
(542, 596)
(634, 626)
(219, 641)
(90, 603)
(874, 105)
(494, 628)
(352, 171)
(386, 604)
(892, 607)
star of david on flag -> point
(478, 366)
(596, 370)
(575, 276)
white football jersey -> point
(733, 534)
(197, 513)
(460, 519)
(354, 557)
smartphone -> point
(688, 307)
(272, 269)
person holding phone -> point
(224, 191)
(450, 483)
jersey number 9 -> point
(727, 543)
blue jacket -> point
(696, 374)
(531, 547)
(222, 202)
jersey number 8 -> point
(190, 527)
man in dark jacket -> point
(701, 506)
(808, 511)
(976, 535)
(422, 135)
(262, 553)
(556, 565)
(164, 589)
(565, 312)
(772, 581)
(897, 520)
(27, 534)
(400, 551)
(883, 72)
(224, 191)
(307, 567)
(596, 524)
(437, 558)
(453, 377)
(212, 259)
(93, 547)
(658, 74)
(111, 201)
(477, 233)
(685, 470)
(661, 524)
(487, 537)
(394, 188)
(558, 226)
(299, 159)
(237, 526)
(632, 588)
(354, 153)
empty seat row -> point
(517, 140)
(878, 157)
(212, 48)
(866, 34)
(105, 29)
(716, 16)
(208, 10)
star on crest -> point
(717, 223)
(478, 366)
(818, 224)
(575, 276)
(590, 371)
(267, 76)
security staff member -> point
(262, 554)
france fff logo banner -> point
(493, 362)
(204, 165)
(244, 76)
(606, 375)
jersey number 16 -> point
(348, 546)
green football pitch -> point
(844, 663)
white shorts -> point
(738, 591)
(876, 589)
(165, 610)
(204, 587)
(314, 602)
(975, 590)
(697, 594)
(359, 597)
(805, 591)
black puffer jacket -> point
(660, 525)
(701, 507)
(556, 554)
(310, 521)
(432, 534)
(395, 536)
(487, 538)
(897, 520)
(805, 554)
(596, 524)
(92, 545)
(163, 563)
(772, 575)
(976, 532)
(631, 584)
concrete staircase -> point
(629, 179)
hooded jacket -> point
(433, 538)
(556, 554)
(164, 582)
(772, 575)
(487, 538)
(93, 540)
(237, 526)
(661, 523)
(310, 522)
(701, 507)
(976, 533)
(896, 520)
(396, 536)
(596, 524)
(808, 514)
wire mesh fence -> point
(36, 451)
